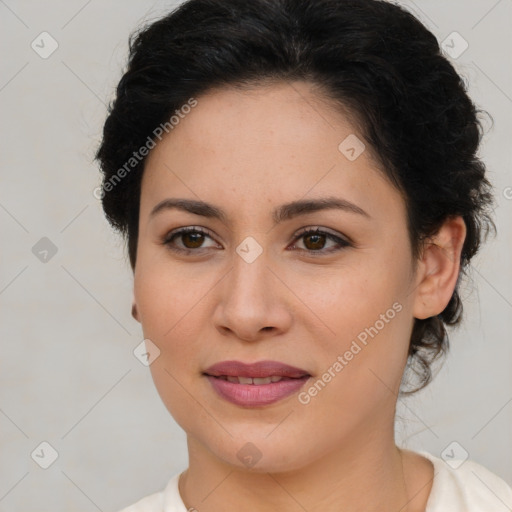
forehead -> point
(262, 147)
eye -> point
(314, 241)
(191, 237)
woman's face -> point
(251, 289)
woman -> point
(299, 189)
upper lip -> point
(259, 369)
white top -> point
(468, 488)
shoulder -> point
(466, 486)
(168, 499)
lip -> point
(259, 369)
(253, 395)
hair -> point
(371, 58)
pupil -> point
(317, 244)
(197, 242)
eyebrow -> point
(282, 213)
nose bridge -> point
(249, 274)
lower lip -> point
(251, 395)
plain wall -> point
(68, 373)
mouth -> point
(255, 381)
(255, 384)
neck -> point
(365, 474)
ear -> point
(438, 268)
(135, 313)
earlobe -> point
(439, 268)
(135, 313)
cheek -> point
(167, 299)
(165, 308)
(166, 295)
(351, 298)
(367, 312)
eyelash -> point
(342, 244)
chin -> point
(257, 454)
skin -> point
(248, 152)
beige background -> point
(68, 373)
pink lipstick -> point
(255, 384)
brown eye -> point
(314, 241)
(192, 239)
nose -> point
(252, 302)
